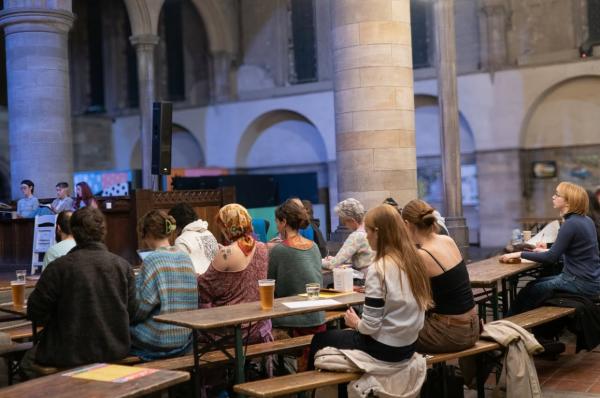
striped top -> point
(166, 283)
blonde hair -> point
(393, 242)
(575, 196)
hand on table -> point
(351, 319)
(541, 245)
(507, 257)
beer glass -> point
(18, 293)
(266, 290)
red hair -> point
(86, 195)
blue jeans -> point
(538, 291)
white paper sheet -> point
(311, 303)
(548, 234)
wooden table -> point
(487, 273)
(233, 316)
(62, 386)
(20, 310)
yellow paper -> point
(111, 373)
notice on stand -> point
(110, 373)
(311, 303)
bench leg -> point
(196, 385)
(240, 357)
(494, 302)
(480, 375)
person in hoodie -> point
(193, 237)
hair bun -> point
(429, 219)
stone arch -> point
(565, 114)
(429, 144)
(217, 27)
(270, 128)
(186, 151)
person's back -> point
(199, 243)
(84, 301)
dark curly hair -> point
(88, 225)
(293, 213)
(183, 214)
(156, 224)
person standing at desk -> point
(27, 206)
(85, 197)
(63, 201)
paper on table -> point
(111, 373)
(311, 303)
(548, 234)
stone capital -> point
(144, 42)
(21, 19)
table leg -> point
(494, 303)
(197, 387)
(480, 375)
(240, 356)
(505, 302)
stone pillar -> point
(144, 49)
(221, 77)
(494, 53)
(449, 123)
(374, 100)
(37, 68)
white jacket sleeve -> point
(373, 309)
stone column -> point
(221, 77)
(374, 100)
(144, 49)
(37, 68)
(449, 123)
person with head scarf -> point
(233, 275)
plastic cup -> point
(21, 275)
(266, 291)
(18, 293)
(312, 291)
(526, 235)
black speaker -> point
(162, 131)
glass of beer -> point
(266, 290)
(312, 290)
(18, 293)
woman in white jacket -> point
(194, 238)
(397, 294)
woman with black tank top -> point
(453, 324)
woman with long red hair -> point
(85, 197)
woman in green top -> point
(293, 263)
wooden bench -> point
(214, 358)
(305, 381)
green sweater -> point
(292, 269)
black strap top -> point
(451, 289)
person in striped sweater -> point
(166, 283)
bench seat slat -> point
(294, 383)
(217, 357)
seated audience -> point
(85, 197)
(293, 263)
(84, 300)
(63, 201)
(233, 275)
(576, 244)
(193, 237)
(166, 283)
(594, 213)
(397, 294)
(27, 206)
(65, 239)
(317, 236)
(452, 324)
(356, 249)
